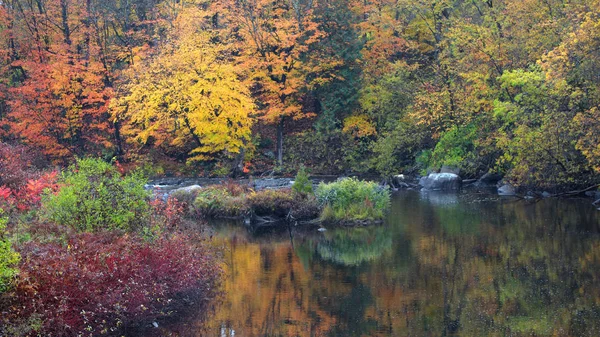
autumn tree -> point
(188, 96)
(275, 37)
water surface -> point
(442, 265)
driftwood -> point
(571, 193)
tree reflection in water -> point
(442, 265)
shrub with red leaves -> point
(101, 282)
(29, 194)
(17, 165)
(167, 214)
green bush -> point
(353, 200)
(217, 201)
(302, 184)
(456, 148)
(95, 196)
(8, 257)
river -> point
(468, 264)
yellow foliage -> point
(359, 126)
(189, 92)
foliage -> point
(8, 257)
(98, 283)
(218, 201)
(283, 203)
(350, 199)
(29, 196)
(166, 215)
(189, 93)
(17, 165)
(302, 184)
(396, 150)
(351, 86)
(456, 148)
(94, 196)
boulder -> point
(441, 182)
(507, 190)
(187, 189)
(402, 181)
(186, 194)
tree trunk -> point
(280, 126)
(118, 139)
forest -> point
(101, 99)
(244, 87)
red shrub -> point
(101, 282)
(29, 195)
(16, 165)
(167, 214)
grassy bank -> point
(346, 201)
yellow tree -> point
(188, 93)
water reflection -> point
(442, 265)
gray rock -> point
(507, 190)
(441, 182)
(546, 194)
(187, 190)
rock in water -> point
(441, 182)
(507, 190)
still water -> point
(442, 265)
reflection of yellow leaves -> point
(431, 251)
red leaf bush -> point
(29, 194)
(167, 214)
(17, 165)
(99, 283)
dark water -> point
(442, 265)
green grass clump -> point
(95, 196)
(352, 200)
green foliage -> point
(95, 196)
(353, 200)
(540, 131)
(217, 201)
(396, 150)
(302, 184)
(456, 149)
(8, 257)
